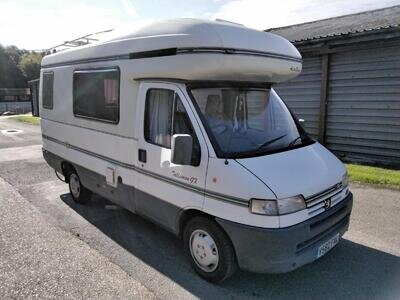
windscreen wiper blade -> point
(303, 137)
(270, 142)
(294, 141)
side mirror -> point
(181, 149)
(302, 122)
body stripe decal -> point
(231, 51)
(174, 51)
(87, 61)
(214, 195)
(92, 129)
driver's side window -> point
(165, 116)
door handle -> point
(142, 155)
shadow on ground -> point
(350, 271)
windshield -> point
(246, 121)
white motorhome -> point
(178, 122)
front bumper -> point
(264, 250)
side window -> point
(165, 115)
(182, 125)
(96, 94)
(47, 92)
(158, 117)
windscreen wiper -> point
(294, 141)
(303, 137)
(270, 142)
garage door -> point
(363, 114)
(302, 94)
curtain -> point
(160, 104)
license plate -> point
(328, 245)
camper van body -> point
(250, 198)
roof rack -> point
(80, 41)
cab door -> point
(165, 188)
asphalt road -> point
(98, 250)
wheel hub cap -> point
(204, 250)
(74, 185)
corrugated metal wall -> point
(363, 113)
(363, 110)
(302, 94)
(15, 107)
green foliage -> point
(15, 53)
(18, 66)
(27, 119)
(373, 175)
(10, 75)
(30, 65)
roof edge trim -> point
(175, 51)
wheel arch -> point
(66, 168)
(186, 215)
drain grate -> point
(10, 131)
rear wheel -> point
(79, 193)
(209, 249)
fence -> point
(15, 100)
(16, 107)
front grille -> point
(315, 203)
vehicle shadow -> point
(350, 271)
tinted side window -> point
(96, 94)
(47, 92)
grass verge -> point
(27, 119)
(374, 175)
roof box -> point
(193, 50)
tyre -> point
(209, 249)
(79, 193)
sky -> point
(41, 24)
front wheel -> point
(79, 193)
(209, 249)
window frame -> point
(239, 85)
(50, 107)
(97, 70)
(145, 124)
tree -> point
(30, 65)
(18, 66)
(10, 74)
(15, 53)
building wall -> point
(302, 94)
(363, 103)
(34, 87)
(363, 113)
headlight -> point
(264, 207)
(277, 207)
(291, 205)
(345, 180)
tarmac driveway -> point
(365, 265)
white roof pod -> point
(194, 50)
